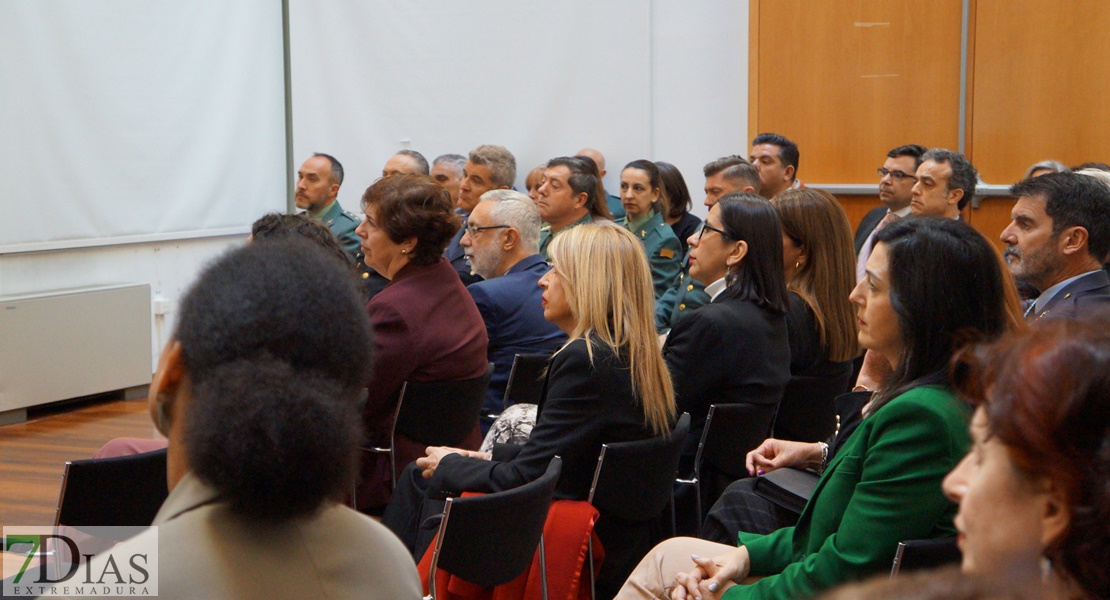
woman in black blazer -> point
(607, 384)
(734, 349)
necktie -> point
(865, 251)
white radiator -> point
(64, 344)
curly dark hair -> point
(276, 343)
(414, 206)
(273, 226)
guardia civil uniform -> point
(546, 235)
(342, 224)
(664, 251)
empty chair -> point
(731, 431)
(117, 491)
(480, 542)
(634, 481)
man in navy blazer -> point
(501, 242)
(1057, 238)
(487, 168)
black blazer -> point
(586, 405)
(726, 352)
(868, 224)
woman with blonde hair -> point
(607, 384)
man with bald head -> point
(722, 176)
(406, 161)
(616, 208)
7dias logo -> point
(65, 561)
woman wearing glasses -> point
(736, 348)
(426, 326)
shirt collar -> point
(714, 289)
(1047, 295)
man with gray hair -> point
(406, 161)
(447, 170)
(488, 167)
(501, 242)
(945, 184)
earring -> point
(404, 251)
(798, 264)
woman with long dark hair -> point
(931, 285)
(677, 203)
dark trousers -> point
(411, 515)
(741, 509)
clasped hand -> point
(436, 453)
(712, 576)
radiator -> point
(64, 344)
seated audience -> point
(568, 198)
(607, 384)
(930, 285)
(426, 327)
(945, 184)
(734, 349)
(406, 161)
(501, 243)
(1033, 494)
(257, 392)
(820, 273)
(677, 202)
(1057, 241)
(533, 180)
(776, 159)
(1045, 167)
(642, 198)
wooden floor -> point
(33, 453)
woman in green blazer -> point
(931, 285)
(642, 198)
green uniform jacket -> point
(664, 251)
(882, 487)
(683, 297)
(546, 235)
(343, 224)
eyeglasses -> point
(473, 230)
(895, 175)
(705, 226)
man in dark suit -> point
(1057, 238)
(318, 182)
(896, 179)
(501, 243)
(487, 168)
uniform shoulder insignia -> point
(545, 228)
(666, 253)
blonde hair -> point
(816, 222)
(607, 283)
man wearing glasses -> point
(488, 167)
(501, 243)
(896, 179)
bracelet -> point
(824, 457)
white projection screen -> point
(138, 120)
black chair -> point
(634, 479)
(490, 540)
(807, 412)
(914, 555)
(731, 431)
(434, 413)
(526, 379)
(112, 492)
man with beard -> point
(1058, 235)
(501, 242)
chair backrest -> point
(491, 539)
(116, 491)
(636, 479)
(731, 431)
(441, 413)
(807, 412)
(914, 555)
(526, 379)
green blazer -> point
(882, 487)
(664, 251)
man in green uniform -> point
(722, 176)
(568, 193)
(318, 183)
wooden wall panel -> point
(848, 80)
(1042, 77)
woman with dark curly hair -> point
(1033, 492)
(426, 325)
(257, 392)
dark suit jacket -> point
(1081, 296)
(726, 352)
(456, 255)
(868, 224)
(511, 308)
(880, 488)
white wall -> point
(663, 80)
